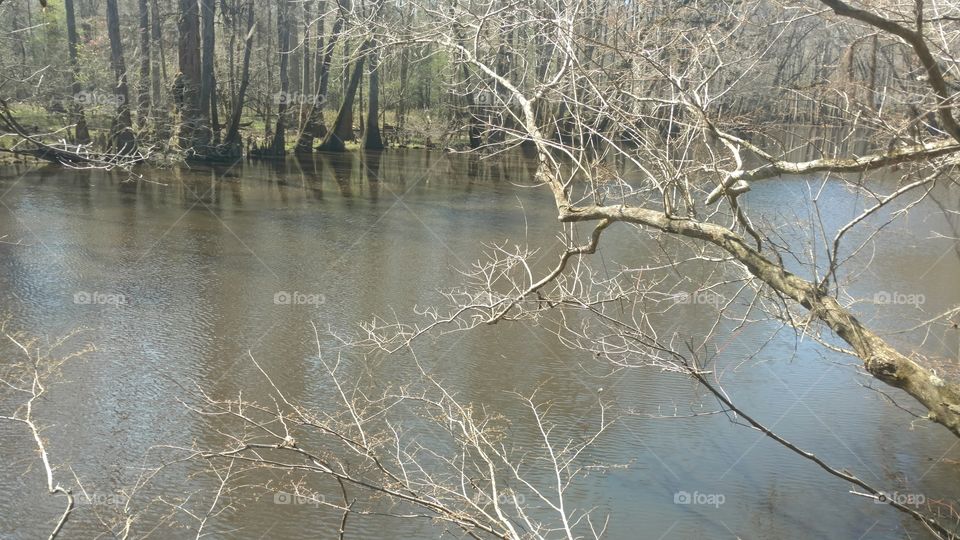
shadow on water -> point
(371, 168)
(341, 167)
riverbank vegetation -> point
(224, 79)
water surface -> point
(199, 255)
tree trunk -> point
(208, 13)
(268, 106)
(315, 127)
(404, 83)
(348, 114)
(343, 126)
(233, 132)
(156, 30)
(159, 111)
(371, 134)
(81, 132)
(214, 113)
(306, 77)
(469, 102)
(277, 147)
(123, 140)
(194, 135)
(19, 42)
(143, 86)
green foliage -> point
(48, 39)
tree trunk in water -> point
(194, 136)
(348, 114)
(294, 63)
(404, 80)
(343, 126)
(469, 102)
(159, 111)
(360, 106)
(143, 88)
(283, 41)
(208, 13)
(268, 105)
(214, 114)
(371, 134)
(123, 140)
(315, 128)
(81, 132)
(306, 77)
(158, 39)
(233, 132)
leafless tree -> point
(693, 171)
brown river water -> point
(199, 255)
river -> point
(173, 277)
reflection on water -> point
(200, 254)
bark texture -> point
(342, 131)
(122, 137)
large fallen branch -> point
(76, 155)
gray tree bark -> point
(371, 134)
(194, 133)
(81, 132)
(123, 140)
(143, 86)
(342, 130)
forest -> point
(221, 79)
